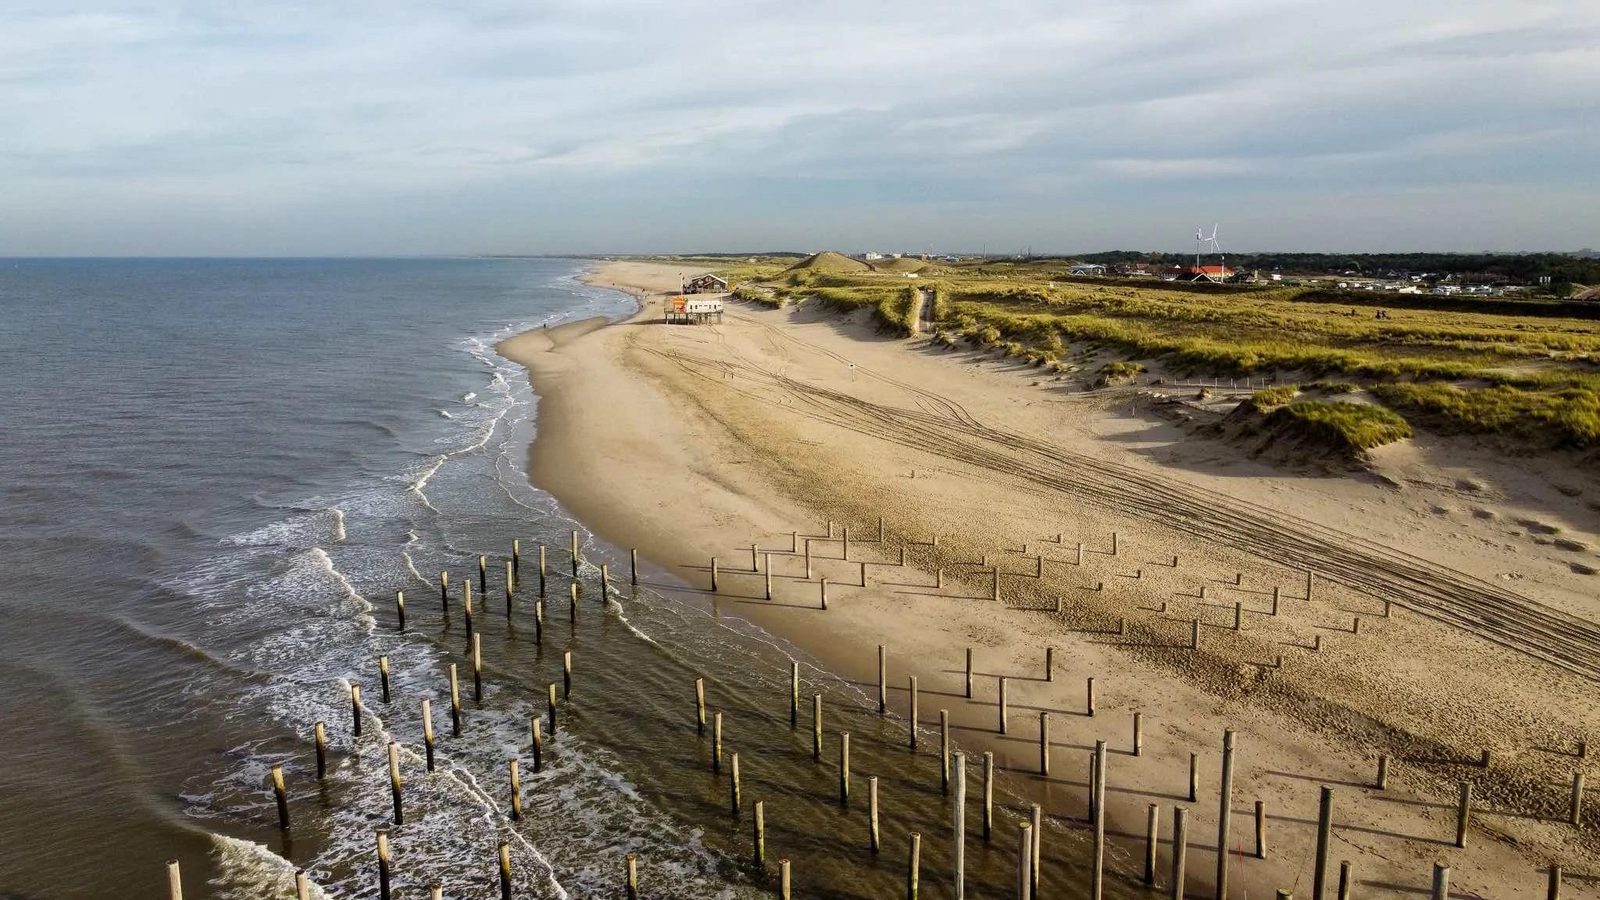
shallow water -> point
(218, 473)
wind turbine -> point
(1202, 242)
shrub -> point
(1275, 396)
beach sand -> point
(690, 442)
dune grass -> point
(1348, 426)
(1277, 395)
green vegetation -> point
(1118, 372)
(1275, 396)
(1529, 369)
(1351, 427)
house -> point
(706, 284)
(1218, 274)
(1083, 269)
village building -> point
(706, 284)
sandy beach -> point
(1107, 533)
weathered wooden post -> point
(483, 577)
(1113, 543)
(384, 874)
(566, 675)
(1194, 633)
(1024, 860)
(1463, 813)
(816, 728)
(605, 582)
(515, 773)
(1180, 849)
(713, 574)
(516, 557)
(1088, 698)
(1274, 600)
(427, 731)
(844, 768)
(700, 706)
(281, 794)
(400, 610)
(1441, 881)
(768, 576)
(1225, 815)
(1238, 616)
(969, 673)
(716, 742)
(1309, 576)
(988, 794)
(632, 869)
(1319, 874)
(914, 866)
(1575, 807)
(1044, 744)
(355, 709)
(1097, 873)
(302, 885)
(511, 585)
(444, 594)
(911, 717)
(633, 565)
(734, 801)
(1138, 733)
(1152, 840)
(536, 726)
(505, 871)
(174, 880)
(1261, 830)
(576, 559)
(759, 834)
(1194, 778)
(1049, 664)
(822, 585)
(1382, 782)
(783, 879)
(319, 737)
(872, 814)
(1003, 705)
(477, 668)
(794, 694)
(844, 542)
(1344, 881)
(944, 751)
(883, 683)
(538, 620)
(572, 602)
(959, 823)
(550, 703)
(1080, 553)
(466, 604)
(544, 568)
(808, 558)
(395, 783)
(455, 703)
(1036, 820)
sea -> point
(218, 474)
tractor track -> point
(941, 426)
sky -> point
(389, 127)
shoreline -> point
(697, 453)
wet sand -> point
(688, 442)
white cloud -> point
(489, 117)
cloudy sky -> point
(394, 127)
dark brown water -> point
(217, 474)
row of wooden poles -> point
(952, 768)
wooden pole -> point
(759, 840)
(816, 728)
(808, 557)
(505, 871)
(319, 736)
(716, 742)
(572, 601)
(1088, 697)
(1152, 840)
(1319, 874)
(1004, 710)
(969, 673)
(1575, 807)
(768, 576)
(734, 801)
(844, 542)
(536, 726)
(1097, 864)
(700, 706)
(822, 584)
(395, 783)
(1383, 772)
(1024, 860)
(1225, 815)
(515, 772)
(1049, 664)
(883, 684)
(400, 610)
(576, 559)
(958, 822)
(633, 876)
(872, 814)
(383, 865)
(633, 565)
(1261, 830)
(1344, 881)
(566, 675)
(302, 885)
(538, 620)
(427, 731)
(783, 879)
(444, 594)
(466, 604)
(1035, 819)
(550, 703)
(844, 768)
(355, 709)
(988, 794)
(1194, 633)
(511, 585)
(1113, 543)
(174, 880)
(944, 751)
(911, 718)
(1044, 744)
(477, 668)
(794, 694)
(1180, 849)
(544, 568)
(483, 577)
(713, 574)
(1463, 813)
(281, 795)
(914, 866)
(1138, 734)
(1441, 881)
(1194, 778)
(516, 557)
